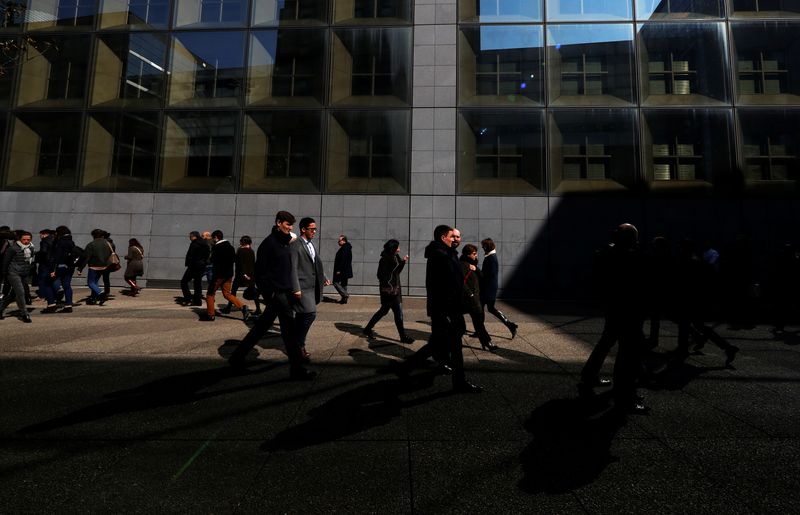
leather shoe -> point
(467, 387)
(444, 369)
(206, 318)
(406, 339)
(301, 374)
(26, 319)
(369, 333)
(489, 346)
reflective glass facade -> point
(552, 97)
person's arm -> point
(295, 248)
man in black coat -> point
(195, 263)
(275, 282)
(343, 268)
(444, 284)
(223, 258)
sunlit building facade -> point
(539, 123)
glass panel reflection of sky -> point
(509, 10)
(558, 35)
(588, 10)
(508, 37)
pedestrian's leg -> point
(18, 285)
(212, 290)
(302, 324)
(455, 331)
(376, 317)
(226, 292)
(91, 281)
(591, 369)
(187, 276)
(65, 275)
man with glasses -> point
(309, 280)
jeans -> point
(46, 285)
(17, 293)
(397, 308)
(92, 278)
(64, 275)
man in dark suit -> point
(309, 279)
(343, 268)
(195, 263)
(444, 283)
(275, 281)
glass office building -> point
(539, 123)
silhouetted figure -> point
(389, 268)
(691, 285)
(472, 295)
(343, 268)
(660, 265)
(195, 263)
(444, 283)
(785, 284)
(491, 283)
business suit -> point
(309, 279)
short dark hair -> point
(245, 240)
(47, 231)
(284, 216)
(440, 231)
(306, 221)
(488, 244)
(61, 231)
(343, 237)
(98, 233)
(468, 249)
(196, 234)
(217, 234)
(22, 234)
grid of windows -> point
(637, 95)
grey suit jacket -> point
(308, 277)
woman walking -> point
(491, 272)
(135, 266)
(472, 295)
(16, 268)
(389, 268)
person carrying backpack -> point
(63, 258)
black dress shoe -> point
(301, 374)
(206, 318)
(513, 328)
(444, 369)
(406, 339)
(26, 319)
(343, 301)
(467, 387)
(369, 333)
(489, 346)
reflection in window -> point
(207, 68)
(135, 14)
(44, 155)
(290, 12)
(121, 151)
(75, 12)
(591, 64)
(500, 152)
(282, 151)
(367, 151)
(770, 149)
(678, 9)
(588, 10)
(765, 8)
(12, 14)
(494, 11)
(687, 148)
(45, 14)
(210, 13)
(8, 68)
(285, 67)
(767, 62)
(592, 150)
(54, 71)
(199, 151)
(372, 12)
(130, 69)
(501, 65)
(371, 66)
(683, 64)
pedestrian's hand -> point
(246, 277)
(328, 282)
(297, 294)
(405, 258)
(53, 274)
(473, 267)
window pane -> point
(285, 67)
(62, 61)
(372, 12)
(12, 15)
(688, 150)
(44, 155)
(282, 151)
(207, 69)
(765, 8)
(678, 9)
(368, 151)
(683, 64)
(590, 65)
(500, 11)
(767, 62)
(61, 14)
(121, 152)
(210, 13)
(290, 12)
(371, 67)
(198, 151)
(770, 149)
(135, 14)
(501, 152)
(501, 65)
(129, 70)
(592, 150)
(588, 10)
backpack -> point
(76, 256)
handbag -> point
(113, 260)
(250, 293)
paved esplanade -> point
(131, 407)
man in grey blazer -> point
(309, 280)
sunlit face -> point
(473, 255)
(447, 238)
(341, 241)
(456, 238)
(25, 239)
(309, 232)
(284, 227)
(206, 235)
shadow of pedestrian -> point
(571, 444)
(352, 412)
